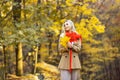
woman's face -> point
(67, 26)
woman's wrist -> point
(70, 44)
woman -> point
(69, 64)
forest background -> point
(29, 38)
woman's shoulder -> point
(77, 35)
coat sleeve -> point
(77, 46)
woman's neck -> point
(68, 31)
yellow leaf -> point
(64, 40)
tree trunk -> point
(5, 62)
(106, 70)
(39, 54)
(58, 53)
(38, 2)
(17, 10)
(10, 59)
(17, 16)
(19, 60)
(39, 46)
(35, 59)
(24, 8)
(50, 48)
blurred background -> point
(29, 38)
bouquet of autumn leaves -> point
(64, 40)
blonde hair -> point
(72, 28)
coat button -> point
(65, 56)
(74, 56)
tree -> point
(109, 14)
(18, 49)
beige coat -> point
(64, 62)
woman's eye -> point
(66, 23)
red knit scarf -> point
(73, 37)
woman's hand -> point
(70, 45)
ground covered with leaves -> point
(44, 72)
